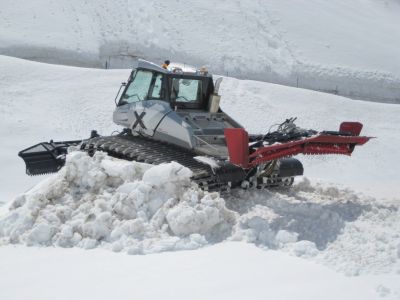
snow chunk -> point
(166, 173)
(285, 237)
(188, 217)
(305, 249)
(40, 234)
(208, 161)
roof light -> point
(202, 71)
(177, 70)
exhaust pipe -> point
(215, 98)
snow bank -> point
(102, 202)
(345, 47)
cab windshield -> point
(146, 85)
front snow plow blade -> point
(280, 144)
(47, 157)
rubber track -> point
(136, 148)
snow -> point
(372, 168)
(141, 209)
(345, 47)
(83, 99)
(40, 102)
(224, 271)
(131, 208)
(208, 161)
(335, 233)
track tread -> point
(141, 149)
(144, 150)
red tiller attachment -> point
(342, 142)
(237, 141)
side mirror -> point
(123, 84)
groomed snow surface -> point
(321, 239)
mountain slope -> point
(344, 47)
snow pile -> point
(123, 206)
(369, 244)
(351, 233)
(139, 209)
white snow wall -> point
(343, 47)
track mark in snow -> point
(383, 291)
(316, 216)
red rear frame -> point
(237, 140)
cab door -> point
(156, 106)
(142, 105)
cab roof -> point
(174, 68)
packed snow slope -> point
(343, 47)
(225, 271)
(318, 227)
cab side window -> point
(186, 90)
